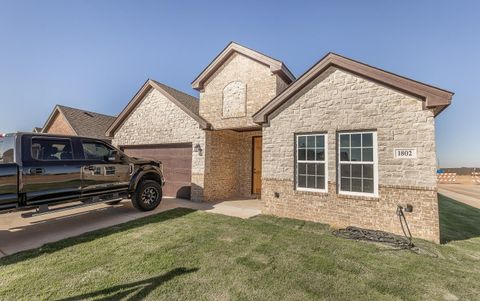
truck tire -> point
(147, 196)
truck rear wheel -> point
(147, 196)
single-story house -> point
(343, 144)
(71, 121)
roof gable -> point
(275, 66)
(434, 97)
(82, 122)
(187, 103)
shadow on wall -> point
(184, 192)
(59, 245)
(458, 221)
(138, 290)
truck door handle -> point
(37, 171)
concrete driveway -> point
(465, 193)
(18, 234)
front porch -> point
(233, 165)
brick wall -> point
(157, 120)
(60, 126)
(228, 172)
(338, 101)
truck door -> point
(50, 171)
(101, 174)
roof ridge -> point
(179, 91)
(83, 110)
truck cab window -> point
(95, 151)
(51, 149)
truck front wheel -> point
(147, 196)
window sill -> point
(358, 197)
(311, 192)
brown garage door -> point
(177, 165)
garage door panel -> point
(177, 165)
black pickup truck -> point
(40, 170)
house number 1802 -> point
(405, 153)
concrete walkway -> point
(468, 194)
(18, 234)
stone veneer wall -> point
(157, 120)
(228, 157)
(60, 126)
(261, 86)
(338, 101)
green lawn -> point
(188, 255)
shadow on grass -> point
(138, 290)
(458, 221)
(89, 236)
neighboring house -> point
(343, 144)
(70, 121)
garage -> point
(177, 165)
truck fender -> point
(146, 173)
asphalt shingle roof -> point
(86, 123)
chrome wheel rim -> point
(149, 195)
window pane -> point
(310, 154)
(302, 142)
(356, 170)
(302, 168)
(345, 184)
(320, 169)
(302, 154)
(357, 185)
(321, 182)
(344, 140)
(311, 141)
(311, 169)
(311, 182)
(95, 151)
(368, 186)
(368, 154)
(367, 171)
(320, 141)
(345, 154)
(356, 154)
(367, 140)
(302, 181)
(320, 154)
(345, 170)
(356, 140)
(51, 150)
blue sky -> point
(96, 54)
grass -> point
(187, 255)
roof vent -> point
(88, 114)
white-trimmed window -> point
(358, 164)
(311, 162)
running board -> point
(44, 209)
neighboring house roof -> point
(435, 98)
(276, 66)
(187, 103)
(83, 123)
(37, 129)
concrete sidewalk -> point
(466, 193)
(18, 234)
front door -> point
(257, 166)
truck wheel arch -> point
(145, 175)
